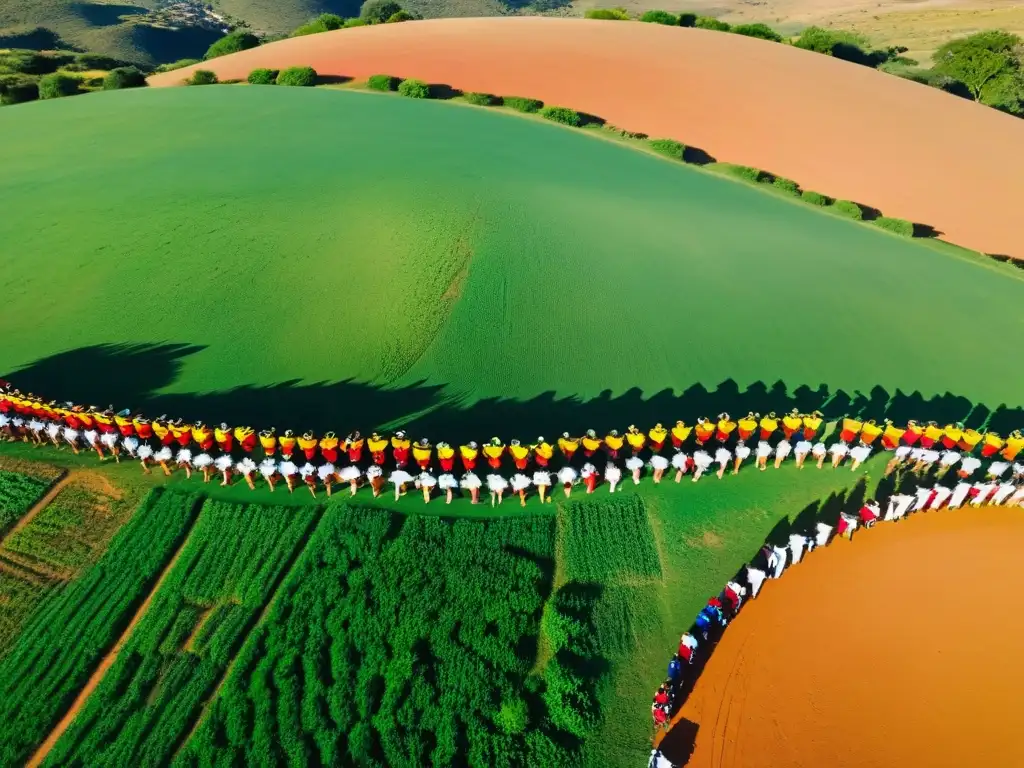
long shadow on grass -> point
(136, 376)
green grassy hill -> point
(341, 258)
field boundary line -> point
(275, 590)
(111, 656)
(58, 485)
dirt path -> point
(901, 647)
(39, 506)
(97, 676)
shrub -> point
(28, 62)
(687, 19)
(896, 226)
(814, 198)
(300, 76)
(744, 172)
(202, 77)
(17, 89)
(709, 22)
(513, 717)
(399, 16)
(349, 23)
(848, 208)
(233, 42)
(378, 11)
(56, 85)
(761, 31)
(325, 22)
(262, 76)
(180, 63)
(562, 115)
(786, 185)
(382, 82)
(607, 14)
(414, 89)
(479, 99)
(668, 147)
(123, 77)
(87, 61)
(522, 104)
(660, 17)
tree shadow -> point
(138, 377)
(106, 15)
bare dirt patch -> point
(843, 130)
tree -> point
(660, 17)
(325, 22)
(986, 61)
(123, 77)
(202, 77)
(300, 76)
(414, 89)
(761, 31)
(233, 42)
(398, 16)
(378, 11)
(262, 76)
(58, 84)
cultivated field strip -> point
(149, 700)
(75, 627)
(21, 497)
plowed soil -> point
(901, 647)
(844, 130)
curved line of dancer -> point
(772, 560)
(175, 445)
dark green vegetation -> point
(562, 115)
(233, 42)
(990, 65)
(383, 83)
(17, 494)
(202, 77)
(414, 89)
(669, 148)
(297, 76)
(180, 650)
(487, 239)
(896, 226)
(609, 536)
(262, 76)
(72, 629)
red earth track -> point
(847, 131)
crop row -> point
(74, 627)
(609, 537)
(17, 495)
(152, 695)
(395, 641)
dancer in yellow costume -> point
(613, 441)
(704, 430)
(1014, 445)
(469, 453)
(870, 432)
(747, 425)
(568, 446)
(378, 446)
(791, 423)
(993, 444)
(658, 435)
(724, 428)
(591, 443)
(493, 451)
(679, 434)
(542, 452)
(636, 439)
(520, 454)
(851, 428)
(812, 424)
(769, 424)
(969, 439)
(891, 436)
(951, 435)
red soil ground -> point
(841, 129)
(901, 647)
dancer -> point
(245, 437)
(992, 444)
(959, 496)
(354, 444)
(822, 534)
(635, 465)
(399, 478)
(812, 424)
(819, 451)
(130, 445)
(448, 484)
(567, 477)
(755, 578)
(181, 432)
(658, 435)
(636, 439)
(163, 456)
(493, 451)
(520, 483)
(92, 438)
(70, 436)
(892, 436)
(329, 445)
(145, 453)
(658, 466)
(224, 437)
(590, 477)
(797, 545)
(997, 469)
(446, 458)
(375, 476)
(468, 453)
(590, 443)
(350, 475)
(791, 424)
(679, 462)
(742, 453)
(732, 596)
(542, 479)
(612, 474)
(869, 432)
(109, 439)
(778, 562)
(679, 434)
(939, 496)
(687, 647)
(782, 450)
(568, 446)
(800, 451)
(859, 454)
(838, 451)
(982, 493)
(422, 454)
(969, 439)
(202, 436)
(769, 425)
(764, 450)
(701, 462)
(52, 430)
(378, 447)
(184, 461)
(308, 474)
(951, 435)
(288, 470)
(35, 426)
(931, 435)
(947, 459)
(400, 450)
(520, 455)
(224, 464)
(913, 434)
(847, 525)
(426, 482)
(968, 466)
(899, 458)
(308, 444)
(203, 462)
(496, 484)
(723, 457)
(724, 427)
(470, 482)
(869, 513)
(268, 470)
(245, 468)
(747, 426)
(268, 442)
(703, 431)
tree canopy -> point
(233, 42)
(378, 11)
(989, 65)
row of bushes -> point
(18, 89)
(305, 77)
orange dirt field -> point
(902, 647)
(844, 130)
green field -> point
(336, 259)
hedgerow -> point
(897, 226)
(660, 17)
(304, 77)
(786, 185)
(562, 115)
(709, 22)
(522, 104)
(849, 209)
(607, 14)
(382, 82)
(150, 698)
(414, 89)
(814, 198)
(479, 99)
(262, 76)
(761, 31)
(69, 633)
(668, 147)
(744, 172)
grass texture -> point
(17, 495)
(324, 236)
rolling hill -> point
(841, 129)
(236, 252)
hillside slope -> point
(847, 131)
